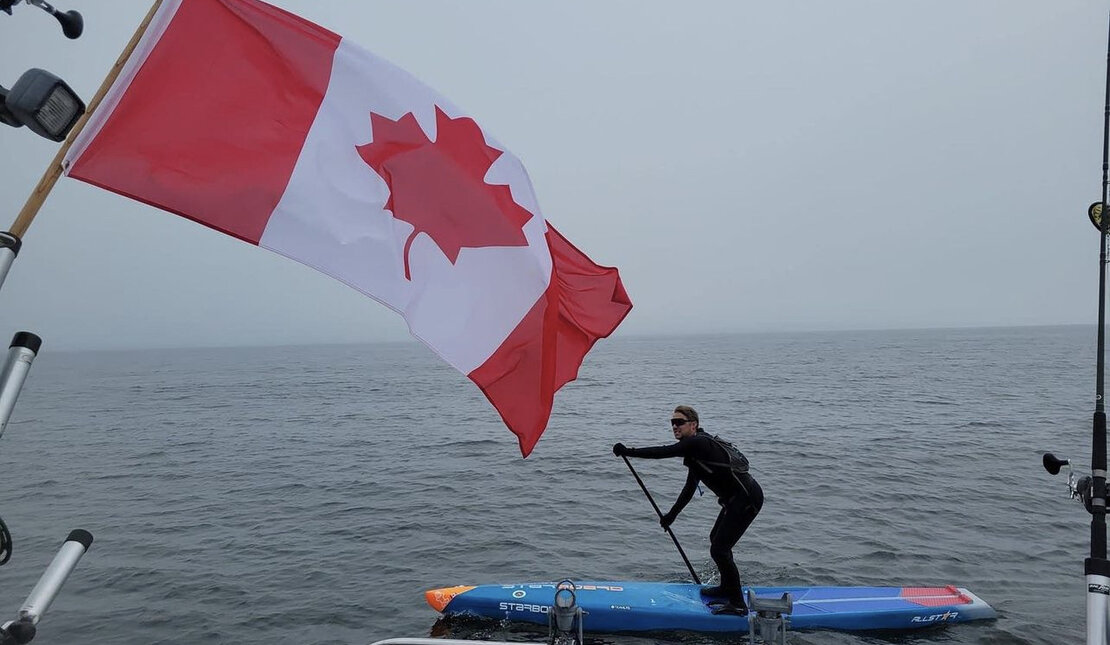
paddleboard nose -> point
(439, 598)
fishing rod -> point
(1092, 489)
(1096, 568)
(660, 514)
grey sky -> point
(748, 166)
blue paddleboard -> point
(650, 606)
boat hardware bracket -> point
(768, 618)
(565, 618)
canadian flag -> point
(257, 123)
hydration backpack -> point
(737, 462)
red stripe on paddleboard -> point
(934, 596)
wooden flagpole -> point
(54, 170)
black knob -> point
(1052, 464)
(72, 23)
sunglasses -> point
(679, 422)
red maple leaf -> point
(438, 187)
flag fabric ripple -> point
(262, 125)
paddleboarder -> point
(724, 470)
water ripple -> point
(312, 494)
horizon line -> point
(616, 336)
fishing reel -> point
(1079, 488)
(72, 22)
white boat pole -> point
(22, 629)
(9, 248)
(51, 581)
(25, 346)
(1097, 589)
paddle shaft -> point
(660, 514)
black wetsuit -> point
(740, 498)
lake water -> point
(312, 494)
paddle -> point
(660, 514)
